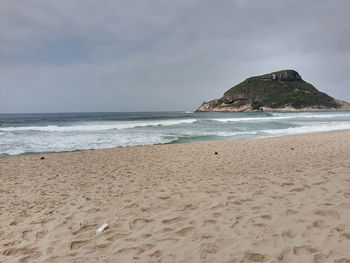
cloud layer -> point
(64, 55)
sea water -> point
(59, 132)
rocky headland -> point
(278, 91)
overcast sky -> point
(147, 55)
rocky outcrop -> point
(284, 75)
(278, 91)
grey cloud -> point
(162, 55)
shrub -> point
(256, 105)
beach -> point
(284, 199)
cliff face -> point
(278, 91)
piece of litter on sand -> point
(102, 228)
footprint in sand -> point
(237, 220)
(144, 248)
(12, 243)
(26, 234)
(139, 222)
(102, 246)
(166, 229)
(20, 251)
(209, 222)
(346, 235)
(286, 184)
(259, 225)
(297, 189)
(290, 212)
(127, 250)
(40, 235)
(207, 249)
(189, 207)
(206, 237)
(319, 224)
(320, 258)
(255, 257)
(78, 244)
(342, 260)
(319, 183)
(133, 205)
(304, 250)
(231, 203)
(284, 254)
(172, 220)
(340, 228)
(216, 214)
(184, 231)
(288, 234)
(84, 228)
(327, 213)
(164, 197)
(156, 254)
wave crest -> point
(98, 127)
(276, 117)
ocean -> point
(60, 132)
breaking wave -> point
(277, 117)
(66, 132)
(321, 127)
(99, 127)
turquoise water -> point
(38, 133)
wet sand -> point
(268, 200)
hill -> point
(278, 91)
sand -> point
(268, 200)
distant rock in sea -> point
(278, 91)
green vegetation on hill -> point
(276, 90)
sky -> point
(163, 55)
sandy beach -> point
(281, 199)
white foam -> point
(96, 135)
(320, 127)
(80, 141)
(228, 134)
(99, 127)
(250, 119)
(296, 116)
(313, 114)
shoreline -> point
(267, 110)
(123, 147)
(282, 199)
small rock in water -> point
(102, 228)
(42, 158)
